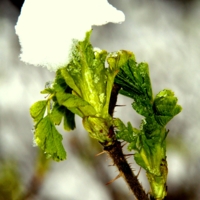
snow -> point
(47, 28)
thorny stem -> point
(116, 153)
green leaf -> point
(79, 73)
(115, 60)
(150, 141)
(165, 106)
(88, 77)
(37, 110)
(127, 133)
(135, 83)
(60, 88)
(47, 91)
(74, 101)
(49, 139)
(70, 101)
(76, 111)
(140, 161)
(57, 113)
(69, 80)
(69, 120)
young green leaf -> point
(37, 110)
(49, 139)
(127, 133)
(60, 88)
(135, 83)
(74, 101)
(69, 120)
(61, 112)
(57, 113)
(47, 91)
(165, 107)
(150, 143)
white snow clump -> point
(47, 28)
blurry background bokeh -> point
(164, 33)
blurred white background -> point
(163, 33)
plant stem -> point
(116, 153)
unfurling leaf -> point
(165, 107)
(127, 133)
(135, 83)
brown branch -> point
(116, 153)
(113, 98)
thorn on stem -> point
(130, 163)
(130, 154)
(122, 145)
(120, 105)
(139, 172)
(111, 165)
(118, 176)
(100, 153)
(132, 169)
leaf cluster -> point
(82, 88)
(149, 141)
(134, 80)
(49, 113)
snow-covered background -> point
(164, 33)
